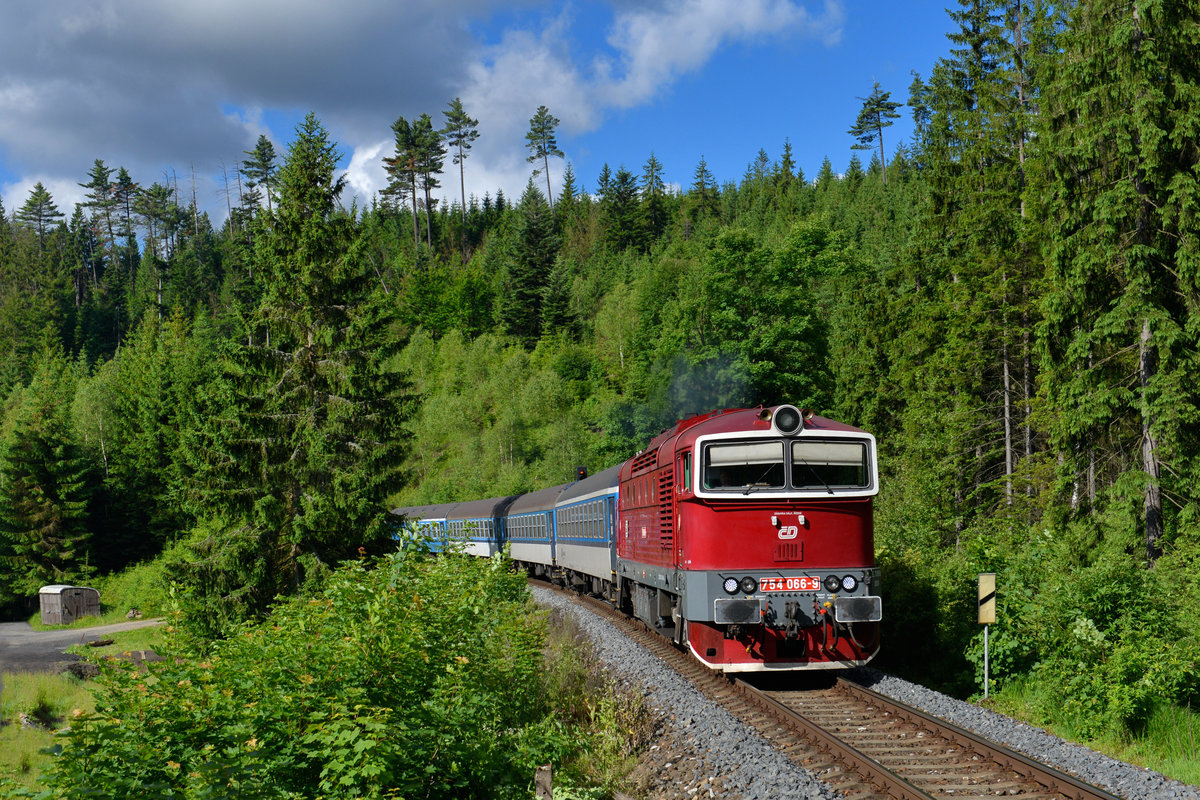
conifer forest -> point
(1009, 302)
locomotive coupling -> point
(791, 612)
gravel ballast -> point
(709, 753)
(1123, 780)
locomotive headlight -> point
(788, 420)
(849, 583)
(730, 586)
(832, 583)
(749, 585)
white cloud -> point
(150, 85)
(655, 46)
(365, 176)
(651, 49)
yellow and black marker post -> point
(987, 616)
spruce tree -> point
(527, 267)
(653, 192)
(39, 213)
(1119, 129)
(299, 444)
(260, 170)
(45, 482)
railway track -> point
(863, 744)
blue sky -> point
(172, 90)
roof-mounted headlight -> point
(788, 420)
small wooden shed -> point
(62, 605)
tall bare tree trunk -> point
(1147, 367)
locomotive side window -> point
(741, 466)
(818, 464)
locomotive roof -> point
(729, 420)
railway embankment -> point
(704, 751)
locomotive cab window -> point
(827, 464)
(743, 466)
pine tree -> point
(429, 155)
(542, 143)
(878, 111)
(460, 132)
(402, 169)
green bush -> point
(1114, 646)
(414, 676)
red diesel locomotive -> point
(744, 535)
(747, 536)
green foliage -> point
(294, 446)
(45, 485)
(409, 677)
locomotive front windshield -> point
(820, 464)
(776, 465)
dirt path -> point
(22, 649)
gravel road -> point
(22, 649)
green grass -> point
(148, 638)
(52, 698)
(49, 698)
(1168, 742)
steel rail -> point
(879, 777)
(1052, 779)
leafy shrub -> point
(414, 677)
(1115, 646)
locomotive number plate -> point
(801, 584)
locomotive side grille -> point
(644, 461)
(666, 516)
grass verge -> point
(612, 714)
(1168, 742)
(47, 702)
(32, 706)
